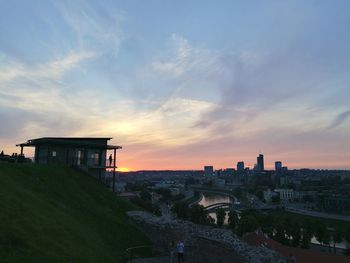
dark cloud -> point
(342, 117)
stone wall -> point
(203, 243)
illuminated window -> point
(54, 153)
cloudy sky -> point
(181, 84)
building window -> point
(96, 159)
(79, 157)
(54, 153)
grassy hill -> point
(57, 214)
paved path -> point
(166, 211)
(158, 260)
(150, 260)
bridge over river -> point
(224, 205)
(237, 207)
(214, 199)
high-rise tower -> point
(278, 166)
(240, 166)
(260, 162)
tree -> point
(211, 221)
(295, 233)
(220, 216)
(260, 194)
(178, 197)
(165, 192)
(198, 214)
(190, 181)
(232, 219)
(180, 209)
(238, 193)
(305, 239)
(156, 210)
(327, 239)
(347, 238)
(145, 195)
(307, 232)
(337, 237)
(320, 231)
(267, 224)
(209, 183)
(147, 205)
(347, 234)
(280, 232)
(247, 224)
(275, 199)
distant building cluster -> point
(240, 167)
(319, 190)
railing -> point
(218, 205)
(139, 251)
(109, 162)
(91, 162)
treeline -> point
(294, 231)
(287, 230)
(145, 199)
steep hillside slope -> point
(57, 214)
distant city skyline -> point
(181, 84)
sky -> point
(181, 84)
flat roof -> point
(74, 141)
(72, 138)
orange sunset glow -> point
(123, 169)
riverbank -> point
(330, 223)
(196, 199)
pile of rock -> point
(162, 230)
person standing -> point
(180, 247)
(110, 160)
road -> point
(317, 214)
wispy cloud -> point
(95, 26)
(251, 89)
(167, 125)
(53, 70)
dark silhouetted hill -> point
(57, 214)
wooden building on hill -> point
(92, 155)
